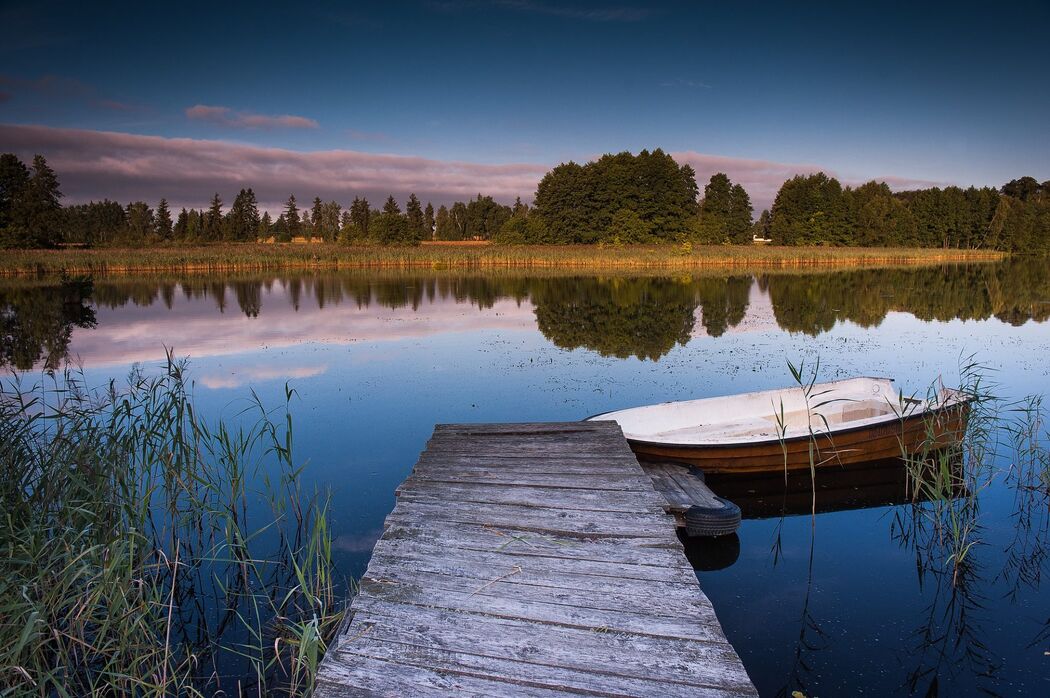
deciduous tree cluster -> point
(818, 210)
(626, 198)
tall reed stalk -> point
(147, 551)
(946, 481)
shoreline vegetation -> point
(150, 551)
(466, 256)
(614, 201)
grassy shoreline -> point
(262, 257)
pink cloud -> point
(123, 166)
(242, 119)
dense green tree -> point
(414, 216)
(578, 202)
(520, 228)
(519, 209)
(1023, 226)
(952, 217)
(883, 221)
(140, 222)
(195, 225)
(181, 228)
(484, 217)
(808, 210)
(242, 222)
(346, 225)
(360, 214)
(292, 225)
(280, 229)
(715, 210)
(627, 228)
(265, 228)
(94, 223)
(30, 210)
(328, 226)
(725, 212)
(390, 226)
(213, 220)
(1023, 188)
(44, 207)
(313, 224)
(14, 179)
(514, 231)
(740, 216)
(162, 220)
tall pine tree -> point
(414, 214)
(292, 225)
(213, 220)
(162, 220)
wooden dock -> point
(534, 560)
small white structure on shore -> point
(761, 241)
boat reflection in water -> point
(880, 482)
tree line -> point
(817, 209)
(618, 199)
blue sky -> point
(942, 93)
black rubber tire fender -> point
(713, 521)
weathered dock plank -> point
(535, 560)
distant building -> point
(761, 241)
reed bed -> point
(262, 257)
(146, 551)
(1002, 439)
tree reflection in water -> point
(1015, 292)
(621, 317)
(617, 316)
(36, 323)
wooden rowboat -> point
(841, 422)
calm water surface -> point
(836, 604)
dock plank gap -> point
(531, 560)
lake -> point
(843, 601)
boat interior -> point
(770, 414)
